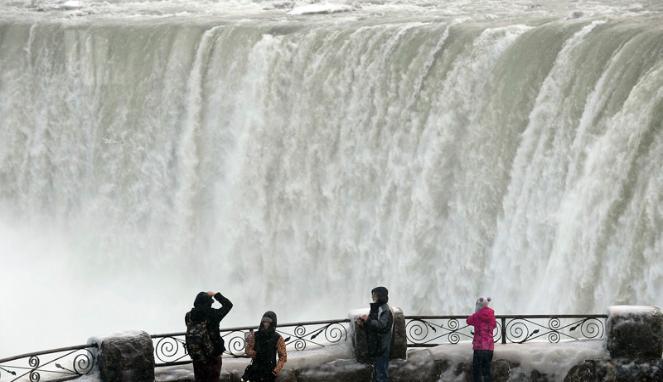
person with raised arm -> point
(203, 337)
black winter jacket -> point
(378, 329)
(213, 317)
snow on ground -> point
(296, 360)
(627, 310)
(552, 359)
(555, 360)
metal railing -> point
(421, 331)
(425, 331)
(170, 349)
(61, 364)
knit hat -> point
(483, 301)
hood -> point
(203, 300)
(382, 293)
(270, 316)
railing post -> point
(503, 331)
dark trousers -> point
(481, 365)
(207, 371)
(381, 368)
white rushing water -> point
(295, 154)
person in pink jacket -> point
(484, 323)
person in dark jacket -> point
(263, 347)
(209, 369)
(378, 325)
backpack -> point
(198, 341)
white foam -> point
(321, 8)
(486, 9)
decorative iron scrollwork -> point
(62, 363)
(439, 330)
(428, 331)
(420, 331)
(170, 349)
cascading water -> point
(295, 161)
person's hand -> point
(364, 317)
(276, 374)
(211, 294)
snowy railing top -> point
(421, 331)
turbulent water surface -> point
(294, 155)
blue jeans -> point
(481, 365)
(381, 368)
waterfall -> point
(296, 164)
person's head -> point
(268, 322)
(203, 300)
(380, 295)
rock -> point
(500, 370)
(127, 357)
(537, 376)
(399, 338)
(584, 372)
(286, 375)
(440, 366)
(419, 366)
(617, 370)
(642, 371)
(635, 332)
(340, 370)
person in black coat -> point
(378, 326)
(209, 369)
(263, 346)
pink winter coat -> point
(484, 323)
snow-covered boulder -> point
(126, 357)
(399, 341)
(635, 332)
